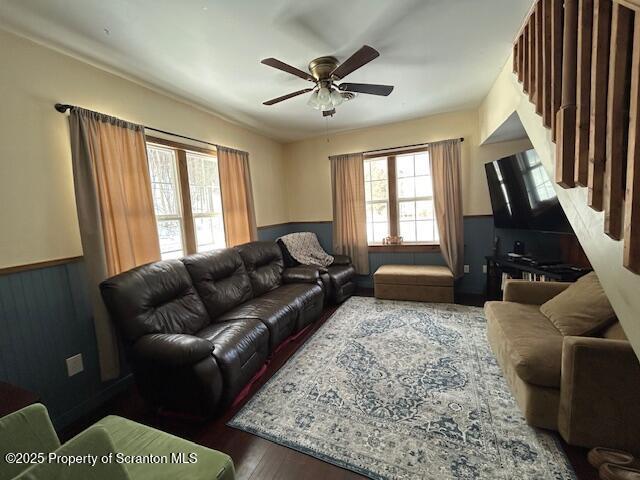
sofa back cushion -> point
(264, 264)
(220, 279)
(154, 298)
(582, 309)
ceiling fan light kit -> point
(325, 72)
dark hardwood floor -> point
(256, 458)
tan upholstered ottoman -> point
(420, 283)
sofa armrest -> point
(28, 430)
(301, 274)
(172, 349)
(532, 293)
(94, 442)
(600, 393)
(341, 259)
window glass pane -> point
(408, 231)
(206, 201)
(367, 191)
(380, 232)
(378, 169)
(166, 200)
(415, 199)
(423, 187)
(379, 190)
(170, 236)
(380, 212)
(406, 188)
(424, 210)
(209, 233)
(377, 199)
(407, 210)
(424, 231)
(404, 166)
(422, 164)
(164, 184)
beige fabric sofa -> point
(587, 388)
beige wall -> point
(605, 254)
(37, 207)
(308, 169)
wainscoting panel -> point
(45, 317)
(479, 234)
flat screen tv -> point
(522, 195)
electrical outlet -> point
(467, 269)
(484, 269)
(74, 365)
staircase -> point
(579, 63)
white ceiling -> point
(441, 55)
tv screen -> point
(522, 195)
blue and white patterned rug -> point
(403, 390)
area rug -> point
(396, 390)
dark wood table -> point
(13, 398)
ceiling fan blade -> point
(275, 63)
(286, 97)
(329, 113)
(355, 61)
(369, 88)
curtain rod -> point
(62, 108)
(401, 147)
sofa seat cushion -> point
(240, 347)
(280, 317)
(528, 341)
(279, 309)
(341, 274)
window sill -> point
(406, 248)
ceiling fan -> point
(325, 72)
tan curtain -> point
(237, 196)
(447, 193)
(349, 218)
(115, 210)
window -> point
(187, 200)
(399, 199)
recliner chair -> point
(337, 280)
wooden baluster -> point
(527, 65)
(532, 57)
(617, 120)
(632, 199)
(539, 58)
(599, 85)
(583, 93)
(547, 104)
(566, 116)
(515, 58)
(521, 55)
(557, 26)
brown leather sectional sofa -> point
(197, 330)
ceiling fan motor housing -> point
(322, 67)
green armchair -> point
(112, 449)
